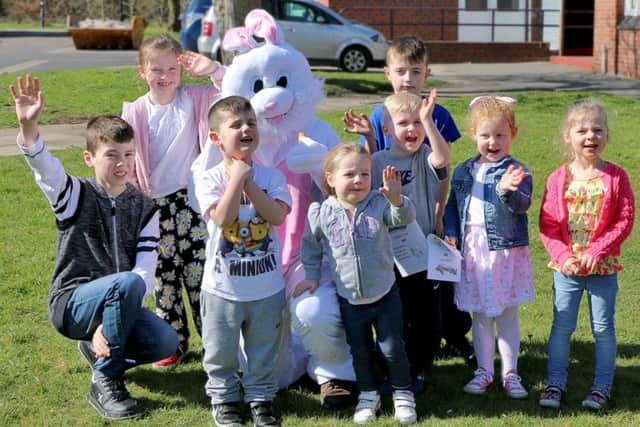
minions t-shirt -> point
(244, 260)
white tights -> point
(508, 333)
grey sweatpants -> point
(222, 322)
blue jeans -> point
(135, 335)
(385, 315)
(567, 292)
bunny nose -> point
(270, 106)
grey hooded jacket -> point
(358, 249)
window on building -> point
(508, 4)
(632, 8)
(476, 4)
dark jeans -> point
(455, 323)
(385, 316)
(135, 335)
(422, 319)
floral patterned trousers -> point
(180, 262)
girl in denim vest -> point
(587, 212)
(486, 217)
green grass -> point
(45, 382)
(102, 91)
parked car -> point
(190, 23)
(209, 39)
(324, 36)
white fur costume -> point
(277, 80)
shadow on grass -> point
(186, 382)
(445, 399)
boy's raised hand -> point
(197, 64)
(391, 185)
(428, 104)
(354, 123)
(29, 105)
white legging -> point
(508, 333)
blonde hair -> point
(576, 111)
(335, 155)
(158, 42)
(492, 108)
(401, 101)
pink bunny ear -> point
(261, 24)
(239, 40)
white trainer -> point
(368, 406)
(404, 405)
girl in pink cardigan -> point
(171, 127)
(587, 212)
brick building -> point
(604, 33)
(617, 37)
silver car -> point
(324, 36)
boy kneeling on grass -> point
(106, 253)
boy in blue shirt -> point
(407, 69)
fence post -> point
(526, 21)
(442, 37)
(493, 25)
(42, 6)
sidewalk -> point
(462, 80)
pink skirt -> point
(492, 280)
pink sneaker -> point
(481, 380)
(170, 362)
(512, 384)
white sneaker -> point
(404, 407)
(368, 405)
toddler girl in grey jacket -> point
(351, 230)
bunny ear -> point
(260, 24)
(238, 40)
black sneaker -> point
(111, 399)
(262, 414)
(86, 350)
(227, 414)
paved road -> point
(34, 54)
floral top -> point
(584, 202)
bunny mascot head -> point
(276, 78)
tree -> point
(231, 13)
(174, 15)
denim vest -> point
(505, 214)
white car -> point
(324, 36)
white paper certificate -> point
(409, 249)
(444, 261)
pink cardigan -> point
(614, 225)
(135, 113)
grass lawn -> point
(45, 382)
(102, 91)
